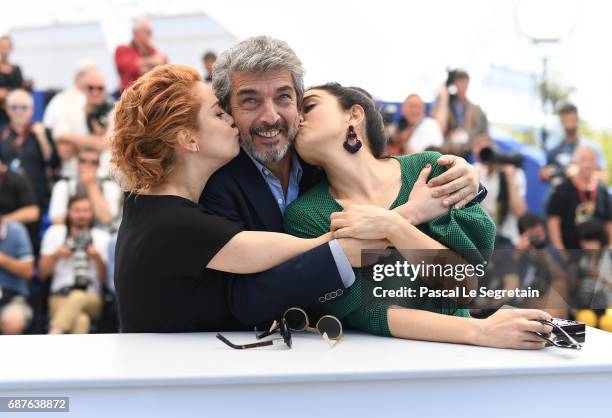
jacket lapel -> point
(257, 192)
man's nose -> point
(269, 113)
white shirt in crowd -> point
(63, 190)
(426, 134)
(509, 227)
(63, 275)
(65, 114)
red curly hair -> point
(148, 118)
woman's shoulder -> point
(316, 198)
(419, 159)
(308, 215)
(412, 164)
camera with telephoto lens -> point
(489, 156)
(80, 259)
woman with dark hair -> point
(342, 132)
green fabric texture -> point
(468, 231)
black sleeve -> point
(206, 235)
(260, 297)
(24, 192)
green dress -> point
(469, 229)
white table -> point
(176, 375)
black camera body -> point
(100, 115)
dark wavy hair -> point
(350, 96)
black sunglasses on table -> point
(294, 319)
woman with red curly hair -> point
(170, 136)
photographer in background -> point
(104, 194)
(461, 121)
(74, 255)
(16, 268)
(505, 180)
(592, 269)
(560, 160)
(139, 56)
(26, 145)
(208, 60)
(579, 198)
(414, 132)
(540, 266)
(85, 127)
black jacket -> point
(239, 193)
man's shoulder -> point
(233, 171)
(124, 48)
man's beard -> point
(276, 154)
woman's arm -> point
(255, 251)
(506, 328)
(373, 222)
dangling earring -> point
(352, 143)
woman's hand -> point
(422, 205)
(364, 222)
(459, 184)
(513, 328)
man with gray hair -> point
(260, 83)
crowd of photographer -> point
(564, 253)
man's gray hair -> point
(255, 55)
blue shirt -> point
(293, 190)
(14, 242)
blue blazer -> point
(239, 193)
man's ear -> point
(187, 141)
